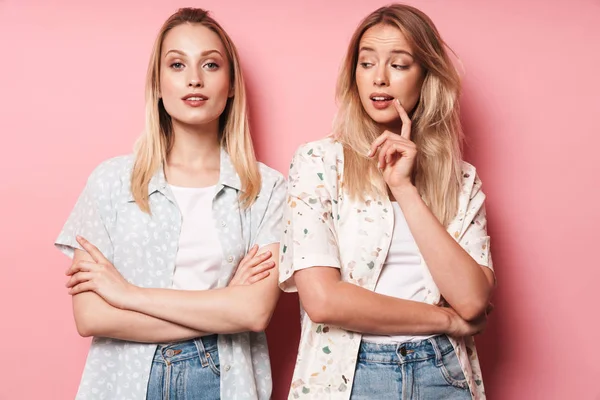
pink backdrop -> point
(71, 95)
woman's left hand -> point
(397, 153)
(99, 276)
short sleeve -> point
(309, 235)
(269, 229)
(86, 219)
(475, 239)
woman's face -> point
(387, 70)
(195, 76)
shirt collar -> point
(227, 177)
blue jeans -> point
(427, 370)
(186, 371)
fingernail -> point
(398, 101)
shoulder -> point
(111, 175)
(270, 177)
(323, 157)
(272, 183)
(325, 149)
(112, 168)
(316, 168)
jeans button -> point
(170, 353)
(403, 351)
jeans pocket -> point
(452, 372)
(213, 361)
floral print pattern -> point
(323, 227)
(144, 247)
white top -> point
(199, 255)
(402, 274)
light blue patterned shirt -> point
(144, 247)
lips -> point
(381, 101)
(195, 97)
(381, 97)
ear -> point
(231, 92)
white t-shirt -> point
(199, 256)
(402, 274)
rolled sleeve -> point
(475, 239)
(309, 236)
(86, 220)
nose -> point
(195, 79)
(381, 78)
(195, 83)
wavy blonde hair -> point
(436, 128)
(153, 146)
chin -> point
(196, 120)
(382, 118)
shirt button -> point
(230, 259)
(223, 224)
(227, 368)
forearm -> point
(357, 309)
(226, 310)
(233, 309)
(95, 317)
(461, 281)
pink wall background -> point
(71, 95)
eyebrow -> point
(203, 54)
(364, 48)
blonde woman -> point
(385, 228)
(174, 248)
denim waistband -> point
(434, 347)
(179, 351)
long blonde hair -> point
(436, 128)
(155, 143)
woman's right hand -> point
(252, 268)
(458, 327)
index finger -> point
(378, 142)
(249, 255)
(406, 122)
(91, 250)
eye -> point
(211, 65)
(401, 67)
(177, 65)
(365, 64)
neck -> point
(195, 146)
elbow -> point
(85, 327)
(259, 322)
(473, 309)
(318, 308)
(318, 316)
(90, 323)
(257, 318)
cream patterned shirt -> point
(323, 227)
(143, 248)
